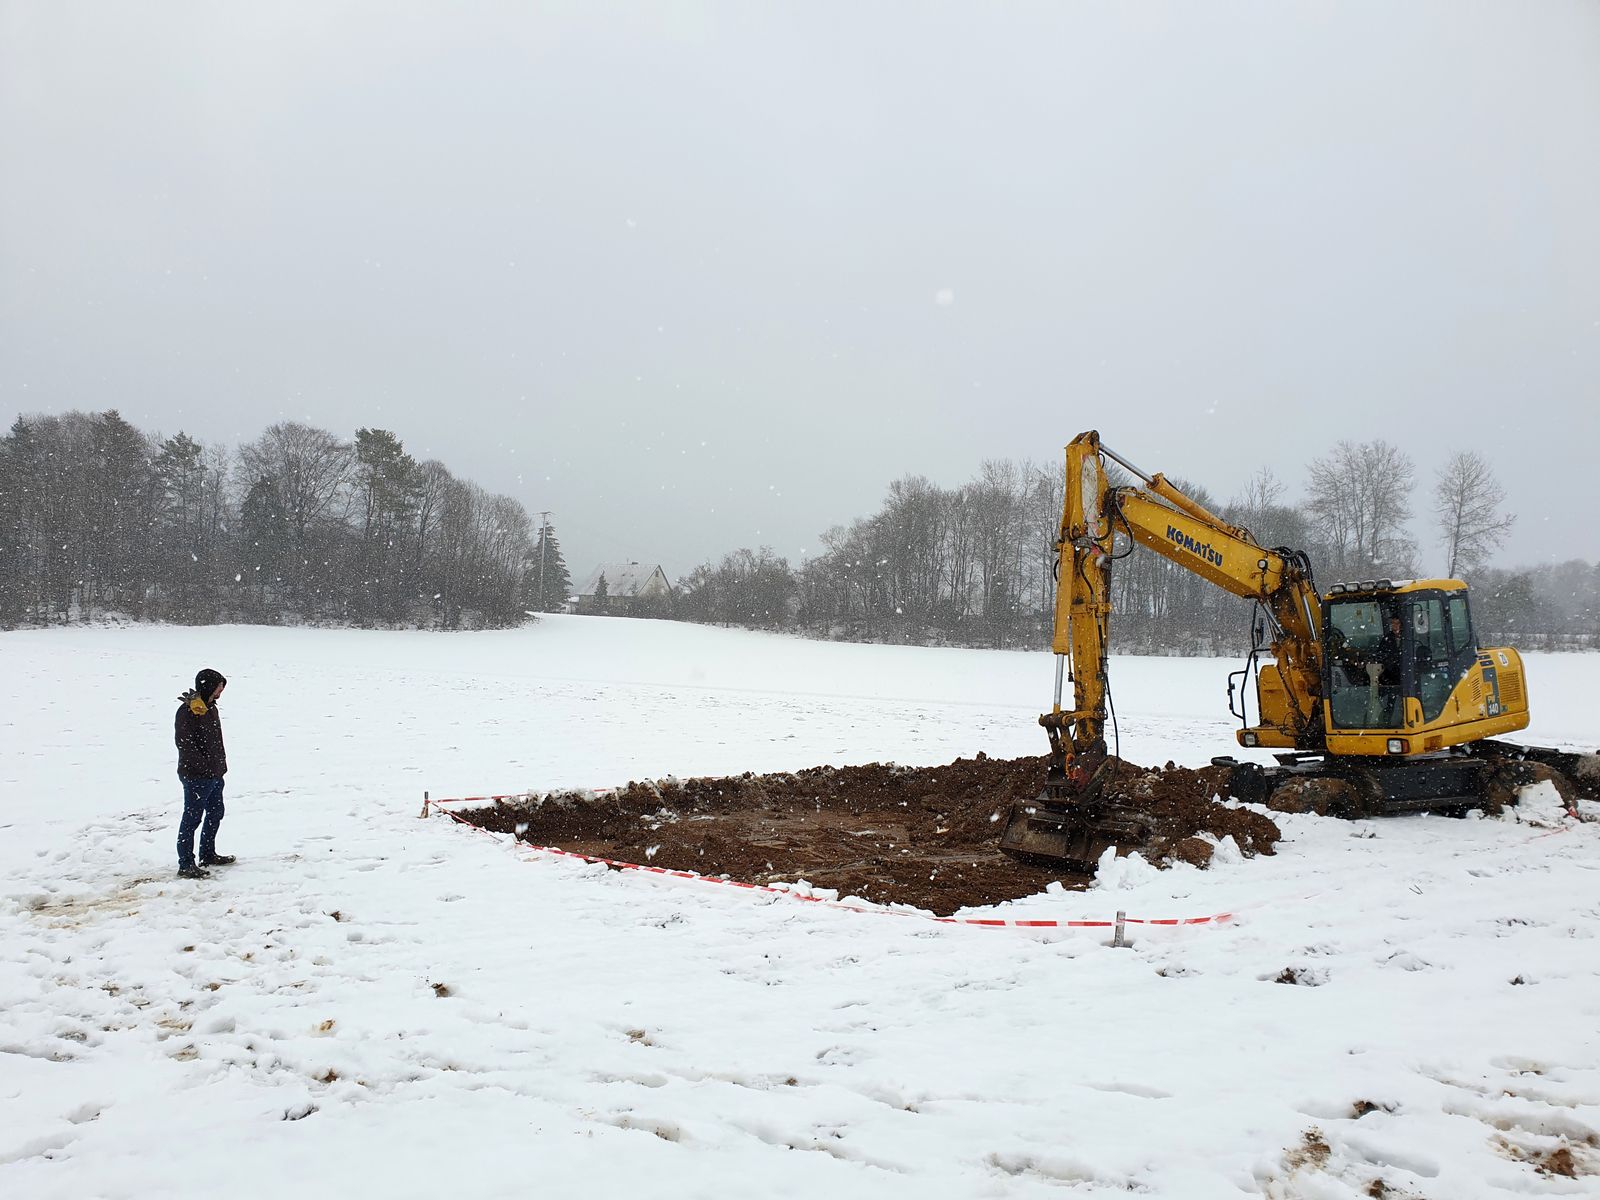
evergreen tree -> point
(184, 558)
(548, 581)
(266, 544)
(387, 482)
(117, 489)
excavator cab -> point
(1403, 674)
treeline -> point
(969, 565)
(297, 526)
(973, 565)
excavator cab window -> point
(1382, 649)
(1431, 654)
(1365, 640)
(1463, 644)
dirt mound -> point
(1181, 805)
(927, 836)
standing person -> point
(1389, 657)
(202, 762)
(1383, 670)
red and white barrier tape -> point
(984, 922)
(599, 791)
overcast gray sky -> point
(698, 276)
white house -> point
(627, 585)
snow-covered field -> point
(371, 1003)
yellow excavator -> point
(1375, 692)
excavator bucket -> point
(1073, 835)
(1041, 830)
(1072, 823)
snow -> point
(372, 1002)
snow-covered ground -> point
(368, 1002)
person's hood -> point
(206, 684)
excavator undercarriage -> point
(1482, 774)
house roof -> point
(622, 578)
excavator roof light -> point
(1352, 586)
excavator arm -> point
(1067, 821)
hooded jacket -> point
(197, 730)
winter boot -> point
(217, 860)
(193, 873)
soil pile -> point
(927, 836)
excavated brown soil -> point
(926, 836)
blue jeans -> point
(201, 798)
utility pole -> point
(544, 538)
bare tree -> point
(1046, 497)
(961, 538)
(1466, 504)
(455, 552)
(1263, 492)
(307, 473)
(752, 588)
(433, 484)
(504, 535)
(913, 535)
(1359, 502)
(997, 511)
(308, 467)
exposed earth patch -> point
(925, 836)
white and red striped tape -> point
(984, 922)
(599, 791)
